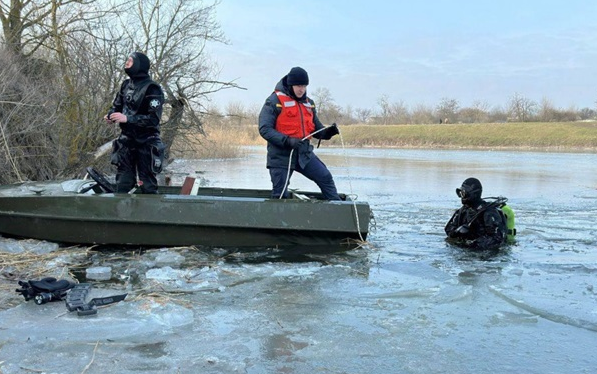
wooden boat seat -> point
(189, 187)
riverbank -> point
(536, 136)
(226, 142)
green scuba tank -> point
(509, 213)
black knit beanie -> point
(297, 77)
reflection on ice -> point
(29, 246)
(169, 280)
(552, 296)
(135, 319)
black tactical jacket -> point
(141, 100)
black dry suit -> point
(478, 224)
(139, 148)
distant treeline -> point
(539, 136)
(518, 109)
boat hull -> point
(218, 217)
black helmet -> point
(470, 191)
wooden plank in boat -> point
(187, 186)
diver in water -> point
(478, 224)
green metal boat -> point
(78, 212)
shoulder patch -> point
(154, 103)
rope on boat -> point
(352, 195)
(290, 162)
(287, 174)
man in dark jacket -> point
(287, 121)
(137, 108)
(477, 224)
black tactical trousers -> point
(136, 160)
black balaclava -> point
(140, 68)
(297, 77)
(470, 192)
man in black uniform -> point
(138, 109)
(477, 225)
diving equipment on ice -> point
(45, 290)
(75, 295)
(76, 300)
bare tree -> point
(348, 115)
(363, 115)
(399, 113)
(498, 114)
(80, 47)
(18, 18)
(385, 109)
(547, 111)
(587, 113)
(323, 98)
(253, 116)
(422, 114)
(447, 109)
(31, 25)
(175, 34)
(235, 113)
(521, 108)
(28, 123)
(327, 110)
(477, 113)
(54, 38)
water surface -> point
(407, 303)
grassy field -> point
(541, 136)
(568, 136)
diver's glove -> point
(329, 132)
(459, 232)
(462, 230)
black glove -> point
(293, 143)
(329, 132)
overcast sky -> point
(416, 51)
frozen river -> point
(408, 303)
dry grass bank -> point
(218, 142)
(569, 135)
(226, 141)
